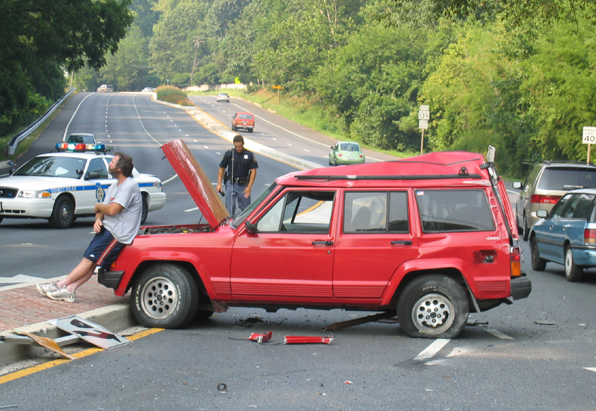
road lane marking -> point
(50, 364)
(432, 349)
(593, 369)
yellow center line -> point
(50, 364)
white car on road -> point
(64, 186)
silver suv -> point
(546, 183)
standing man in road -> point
(117, 222)
(241, 173)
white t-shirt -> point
(124, 225)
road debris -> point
(361, 320)
(545, 322)
(260, 338)
(298, 339)
(46, 343)
(222, 387)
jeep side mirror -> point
(541, 213)
(517, 184)
(250, 227)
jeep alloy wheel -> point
(164, 296)
(433, 306)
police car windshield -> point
(239, 219)
(62, 167)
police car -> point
(66, 185)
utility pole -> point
(197, 42)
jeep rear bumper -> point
(520, 287)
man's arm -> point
(108, 209)
(251, 180)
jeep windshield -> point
(567, 178)
(239, 219)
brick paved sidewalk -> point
(25, 305)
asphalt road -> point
(537, 354)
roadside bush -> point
(174, 95)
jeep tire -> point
(433, 306)
(164, 296)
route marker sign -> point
(589, 138)
(423, 117)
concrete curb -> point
(116, 317)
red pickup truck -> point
(429, 239)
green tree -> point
(38, 36)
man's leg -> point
(230, 197)
(243, 202)
(78, 276)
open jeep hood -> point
(196, 182)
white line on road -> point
(432, 349)
(590, 369)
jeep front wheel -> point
(164, 296)
(433, 306)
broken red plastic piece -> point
(298, 339)
(260, 338)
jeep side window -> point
(454, 210)
(301, 212)
(375, 212)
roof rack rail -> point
(392, 177)
(583, 163)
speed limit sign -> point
(589, 135)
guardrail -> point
(14, 142)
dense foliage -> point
(172, 95)
(517, 74)
(41, 39)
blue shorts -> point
(103, 249)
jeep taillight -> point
(538, 199)
(515, 260)
(589, 236)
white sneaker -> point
(45, 288)
(63, 294)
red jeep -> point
(428, 239)
(244, 121)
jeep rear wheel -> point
(433, 306)
(165, 296)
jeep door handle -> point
(404, 242)
(327, 242)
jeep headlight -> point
(34, 194)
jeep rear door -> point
(375, 238)
(290, 256)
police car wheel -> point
(63, 213)
(433, 306)
(145, 209)
(164, 296)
